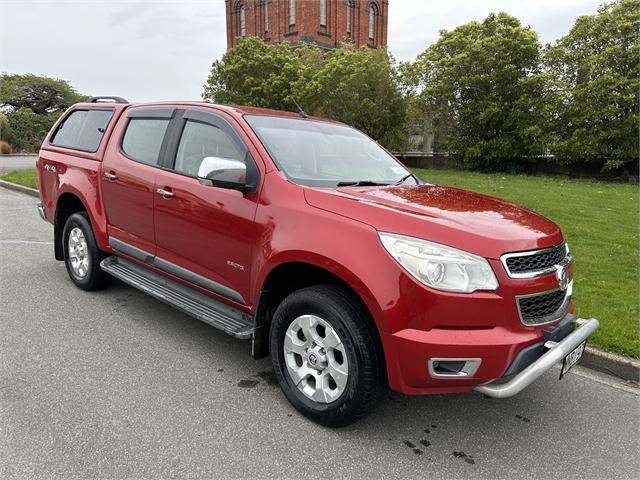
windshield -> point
(326, 154)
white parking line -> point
(27, 242)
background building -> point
(323, 22)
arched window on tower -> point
(265, 5)
(241, 12)
(373, 20)
(323, 13)
(350, 7)
(292, 12)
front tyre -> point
(325, 355)
(81, 254)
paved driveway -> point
(9, 163)
(115, 384)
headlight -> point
(439, 266)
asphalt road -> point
(115, 384)
(9, 163)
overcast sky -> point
(158, 49)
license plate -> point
(572, 358)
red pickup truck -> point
(308, 238)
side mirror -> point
(224, 173)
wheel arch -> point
(290, 274)
(68, 203)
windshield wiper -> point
(404, 178)
(361, 183)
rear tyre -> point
(81, 254)
(326, 357)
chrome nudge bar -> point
(555, 354)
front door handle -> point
(109, 176)
(165, 193)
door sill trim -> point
(176, 270)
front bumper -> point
(555, 354)
(506, 360)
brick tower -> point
(325, 23)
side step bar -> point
(228, 319)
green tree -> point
(359, 87)
(40, 94)
(255, 74)
(481, 85)
(5, 130)
(29, 128)
(597, 79)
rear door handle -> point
(165, 193)
(109, 176)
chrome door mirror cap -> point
(225, 173)
(223, 169)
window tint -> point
(201, 140)
(143, 139)
(82, 130)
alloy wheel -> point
(78, 252)
(316, 359)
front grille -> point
(543, 308)
(535, 261)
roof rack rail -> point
(113, 99)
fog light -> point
(453, 367)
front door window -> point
(201, 140)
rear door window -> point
(143, 139)
(82, 130)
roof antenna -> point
(300, 111)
